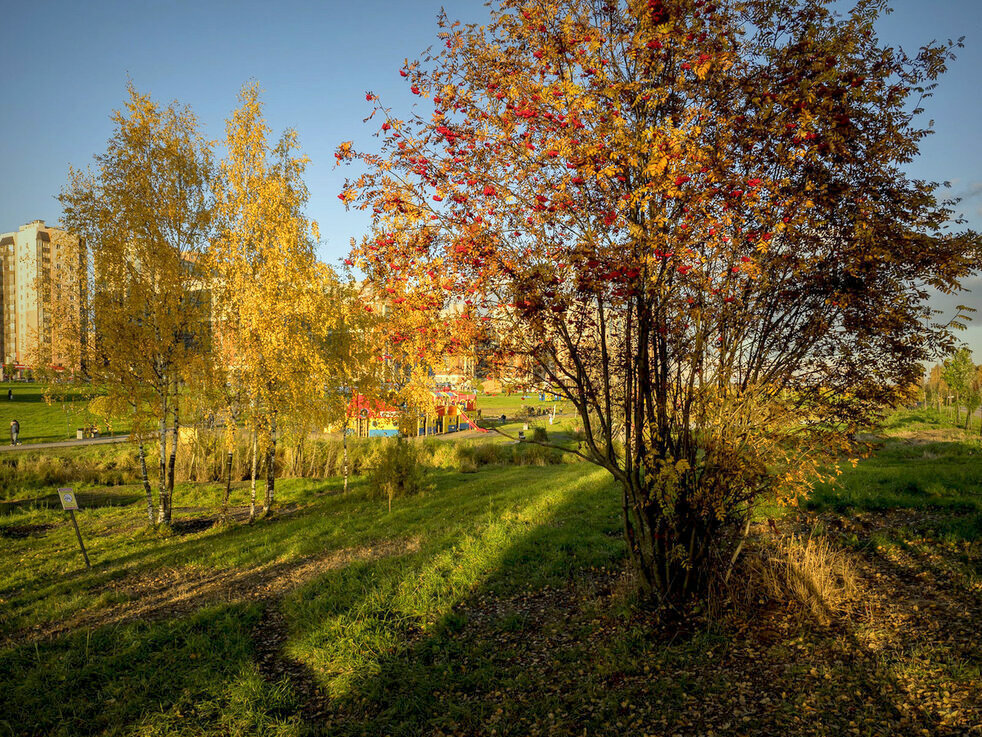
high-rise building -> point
(34, 271)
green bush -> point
(441, 454)
(398, 470)
(490, 453)
(525, 454)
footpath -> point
(64, 443)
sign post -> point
(69, 503)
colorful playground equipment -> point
(373, 418)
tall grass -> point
(809, 574)
(202, 457)
(113, 466)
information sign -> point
(68, 500)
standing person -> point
(10, 394)
(14, 431)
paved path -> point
(65, 443)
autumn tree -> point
(935, 388)
(415, 330)
(281, 315)
(958, 373)
(975, 389)
(693, 216)
(355, 342)
(143, 217)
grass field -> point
(46, 421)
(513, 405)
(496, 603)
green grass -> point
(513, 405)
(47, 421)
(922, 463)
(463, 535)
(493, 604)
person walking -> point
(14, 431)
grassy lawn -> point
(513, 405)
(496, 603)
(41, 421)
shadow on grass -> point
(510, 618)
(87, 499)
(574, 659)
(202, 671)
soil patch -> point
(15, 532)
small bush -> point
(397, 471)
(540, 435)
(442, 454)
(466, 461)
(487, 454)
(535, 455)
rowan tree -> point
(143, 218)
(416, 327)
(693, 216)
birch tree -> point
(270, 287)
(144, 215)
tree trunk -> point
(194, 460)
(163, 515)
(146, 484)
(270, 470)
(228, 485)
(255, 459)
(671, 551)
(172, 461)
(344, 445)
(298, 459)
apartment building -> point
(34, 270)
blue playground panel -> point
(376, 433)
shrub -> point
(487, 454)
(466, 460)
(540, 435)
(397, 471)
(442, 454)
(524, 454)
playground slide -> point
(471, 425)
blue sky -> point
(66, 66)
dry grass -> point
(807, 573)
